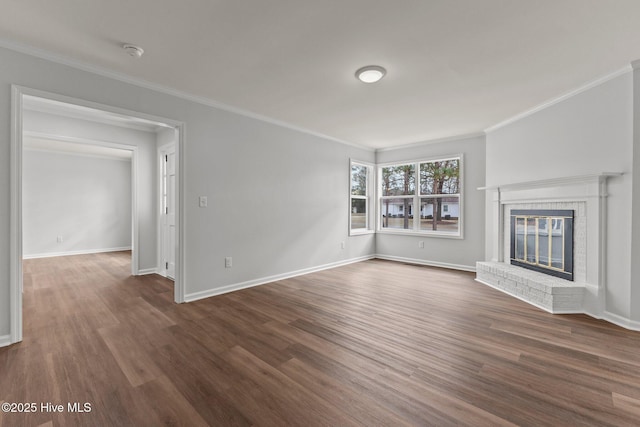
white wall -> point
(147, 195)
(299, 181)
(85, 200)
(588, 133)
(457, 253)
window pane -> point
(358, 180)
(557, 249)
(520, 229)
(543, 241)
(398, 180)
(531, 240)
(440, 177)
(358, 214)
(433, 216)
(397, 213)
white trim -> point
(148, 271)
(135, 228)
(363, 232)
(269, 279)
(426, 233)
(5, 340)
(79, 65)
(368, 197)
(421, 160)
(77, 140)
(415, 231)
(427, 263)
(51, 109)
(15, 232)
(560, 98)
(161, 152)
(159, 270)
(553, 182)
(15, 221)
(80, 252)
(433, 141)
(77, 154)
(180, 280)
(623, 322)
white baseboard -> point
(621, 321)
(427, 263)
(264, 280)
(616, 319)
(146, 271)
(5, 340)
(81, 252)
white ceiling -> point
(454, 67)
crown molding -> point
(124, 78)
(432, 141)
(547, 104)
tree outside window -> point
(359, 214)
(436, 194)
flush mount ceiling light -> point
(370, 73)
(135, 51)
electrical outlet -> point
(202, 201)
(421, 244)
(59, 239)
(228, 262)
(341, 245)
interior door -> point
(169, 212)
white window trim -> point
(416, 198)
(369, 197)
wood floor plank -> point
(135, 363)
(295, 403)
(371, 343)
(340, 395)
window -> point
(360, 188)
(421, 197)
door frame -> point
(15, 237)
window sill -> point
(440, 235)
(361, 232)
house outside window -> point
(433, 186)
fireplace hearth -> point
(559, 225)
(542, 240)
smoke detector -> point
(135, 51)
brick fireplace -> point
(583, 198)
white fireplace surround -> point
(587, 197)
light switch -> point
(202, 201)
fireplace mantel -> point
(587, 195)
(553, 182)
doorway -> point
(20, 95)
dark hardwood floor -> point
(373, 343)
